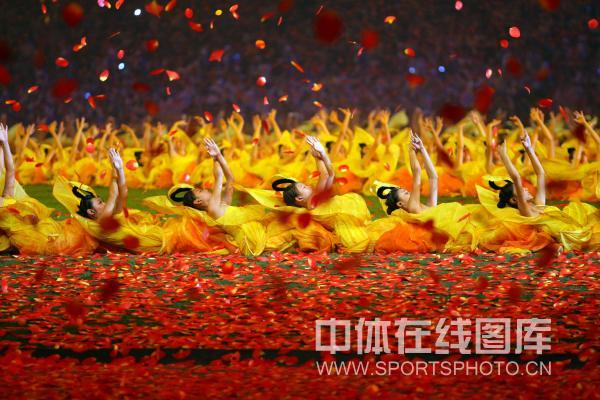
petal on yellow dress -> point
(554, 221)
(30, 228)
(136, 231)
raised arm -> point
(430, 169)
(221, 168)
(9, 167)
(540, 196)
(327, 175)
(537, 116)
(524, 208)
(117, 164)
(414, 201)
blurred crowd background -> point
(432, 55)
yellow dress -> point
(566, 226)
(132, 230)
(444, 227)
(346, 216)
(243, 225)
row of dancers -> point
(311, 215)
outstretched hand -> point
(415, 142)
(317, 148)
(115, 160)
(212, 148)
(3, 133)
(525, 139)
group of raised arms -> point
(305, 192)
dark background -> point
(556, 57)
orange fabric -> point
(518, 237)
(190, 235)
(348, 183)
(410, 238)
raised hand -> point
(3, 133)
(415, 142)
(580, 117)
(115, 160)
(525, 139)
(212, 148)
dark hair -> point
(507, 193)
(185, 196)
(290, 192)
(85, 202)
(390, 195)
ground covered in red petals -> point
(118, 325)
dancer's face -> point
(402, 196)
(97, 207)
(304, 193)
(202, 198)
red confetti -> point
(260, 44)
(140, 87)
(261, 81)
(414, 80)
(216, 55)
(483, 98)
(152, 45)
(104, 75)
(504, 43)
(265, 101)
(545, 103)
(514, 66)
(458, 5)
(550, 5)
(151, 107)
(109, 224)
(131, 242)
(189, 13)
(227, 268)
(593, 23)
(82, 43)
(170, 5)
(236, 108)
(173, 76)
(328, 26)
(72, 14)
(297, 66)
(109, 289)
(390, 19)
(369, 39)
(62, 62)
(5, 77)
(195, 26)
(208, 116)
(283, 98)
(32, 89)
(120, 54)
(514, 32)
(304, 220)
(131, 165)
(64, 87)
(154, 8)
(409, 52)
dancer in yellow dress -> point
(516, 206)
(320, 220)
(27, 224)
(202, 207)
(412, 226)
(110, 222)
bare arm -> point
(117, 164)
(327, 175)
(524, 208)
(540, 196)
(538, 116)
(110, 206)
(221, 168)
(9, 167)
